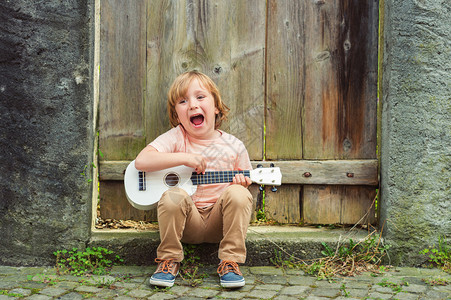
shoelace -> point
(166, 265)
(227, 266)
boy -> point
(216, 212)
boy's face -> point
(197, 111)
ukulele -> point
(144, 189)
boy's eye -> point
(181, 101)
(200, 97)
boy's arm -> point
(150, 160)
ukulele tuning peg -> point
(271, 165)
(260, 188)
(273, 189)
(259, 166)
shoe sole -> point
(161, 283)
(233, 284)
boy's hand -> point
(242, 180)
(196, 162)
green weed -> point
(280, 262)
(8, 294)
(96, 260)
(103, 282)
(344, 259)
(440, 257)
(189, 270)
(396, 287)
(344, 291)
(436, 281)
(166, 290)
(261, 216)
(86, 169)
(85, 173)
(349, 259)
(48, 279)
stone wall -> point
(46, 128)
(416, 127)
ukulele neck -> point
(216, 176)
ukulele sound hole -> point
(171, 179)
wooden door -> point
(299, 77)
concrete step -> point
(263, 242)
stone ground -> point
(129, 282)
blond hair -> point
(179, 89)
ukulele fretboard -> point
(216, 176)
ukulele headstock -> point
(267, 176)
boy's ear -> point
(216, 111)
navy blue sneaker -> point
(166, 272)
(230, 275)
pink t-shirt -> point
(223, 154)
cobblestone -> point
(130, 283)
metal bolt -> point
(307, 174)
(350, 175)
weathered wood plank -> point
(339, 118)
(320, 116)
(161, 26)
(114, 204)
(321, 205)
(340, 79)
(338, 204)
(358, 206)
(285, 79)
(223, 39)
(283, 206)
(122, 78)
(346, 172)
(285, 95)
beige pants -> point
(225, 222)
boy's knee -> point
(239, 195)
(173, 197)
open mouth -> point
(197, 120)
